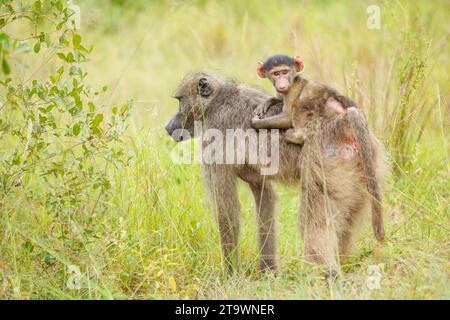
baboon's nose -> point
(175, 134)
(173, 127)
(168, 129)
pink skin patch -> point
(348, 149)
(345, 149)
(336, 105)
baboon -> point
(304, 100)
(221, 104)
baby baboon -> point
(223, 104)
(301, 97)
(304, 100)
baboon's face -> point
(194, 94)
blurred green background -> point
(158, 239)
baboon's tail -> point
(365, 146)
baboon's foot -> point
(268, 265)
(330, 276)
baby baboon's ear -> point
(260, 70)
(204, 87)
(299, 65)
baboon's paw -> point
(331, 276)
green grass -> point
(155, 237)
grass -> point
(155, 236)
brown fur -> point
(231, 105)
(303, 99)
(307, 100)
(336, 192)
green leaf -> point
(124, 109)
(5, 67)
(59, 5)
(60, 71)
(61, 56)
(91, 106)
(37, 47)
(76, 40)
(62, 38)
(76, 129)
(97, 120)
(38, 5)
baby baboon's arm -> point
(262, 109)
(279, 121)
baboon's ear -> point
(204, 87)
(298, 64)
(260, 70)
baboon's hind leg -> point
(351, 227)
(321, 245)
(319, 233)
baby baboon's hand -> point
(261, 110)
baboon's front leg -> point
(265, 200)
(227, 210)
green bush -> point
(54, 127)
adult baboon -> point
(222, 104)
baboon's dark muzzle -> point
(174, 127)
(170, 127)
